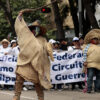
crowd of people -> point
(12, 48)
(91, 56)
(34, 53)
(64, 45)
(89, 45)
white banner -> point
(67, 67)
(7, 69)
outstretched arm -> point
(20, 16)
(35, 9)
(24, 11)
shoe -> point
(60, 89)
(25, 89)
(11, 88)
(88, 91)
(98, 91)
(80, 87)
(73, 87)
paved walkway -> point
(52, 95)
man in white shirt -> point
(76, 44)
(5, 46)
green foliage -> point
(4, 26)
(16, 6)
(51, 34)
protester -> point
(81, 40)
(91, 53)
(12, 51)
(63, 45)
(33, 63)
(14, 48)
(56, 48)
(4, 46)
(3, 49)
(76, 46)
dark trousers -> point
(80, 85)
(91, 72)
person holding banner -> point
(14, 48)
(33, 63)
(91, 54)
(3, 49)
(5, 46)
(76, 46)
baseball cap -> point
(75, 39)
(52, 41)
(13, 41)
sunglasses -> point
(76, 41)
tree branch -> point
(35, 9)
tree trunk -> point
(58, 21)
(85, 22)
(74, 17)
(90, 14)
(8, 14)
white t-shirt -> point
(4, 50)
(70, 48)
(13, 51)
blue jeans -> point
(90, 73)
